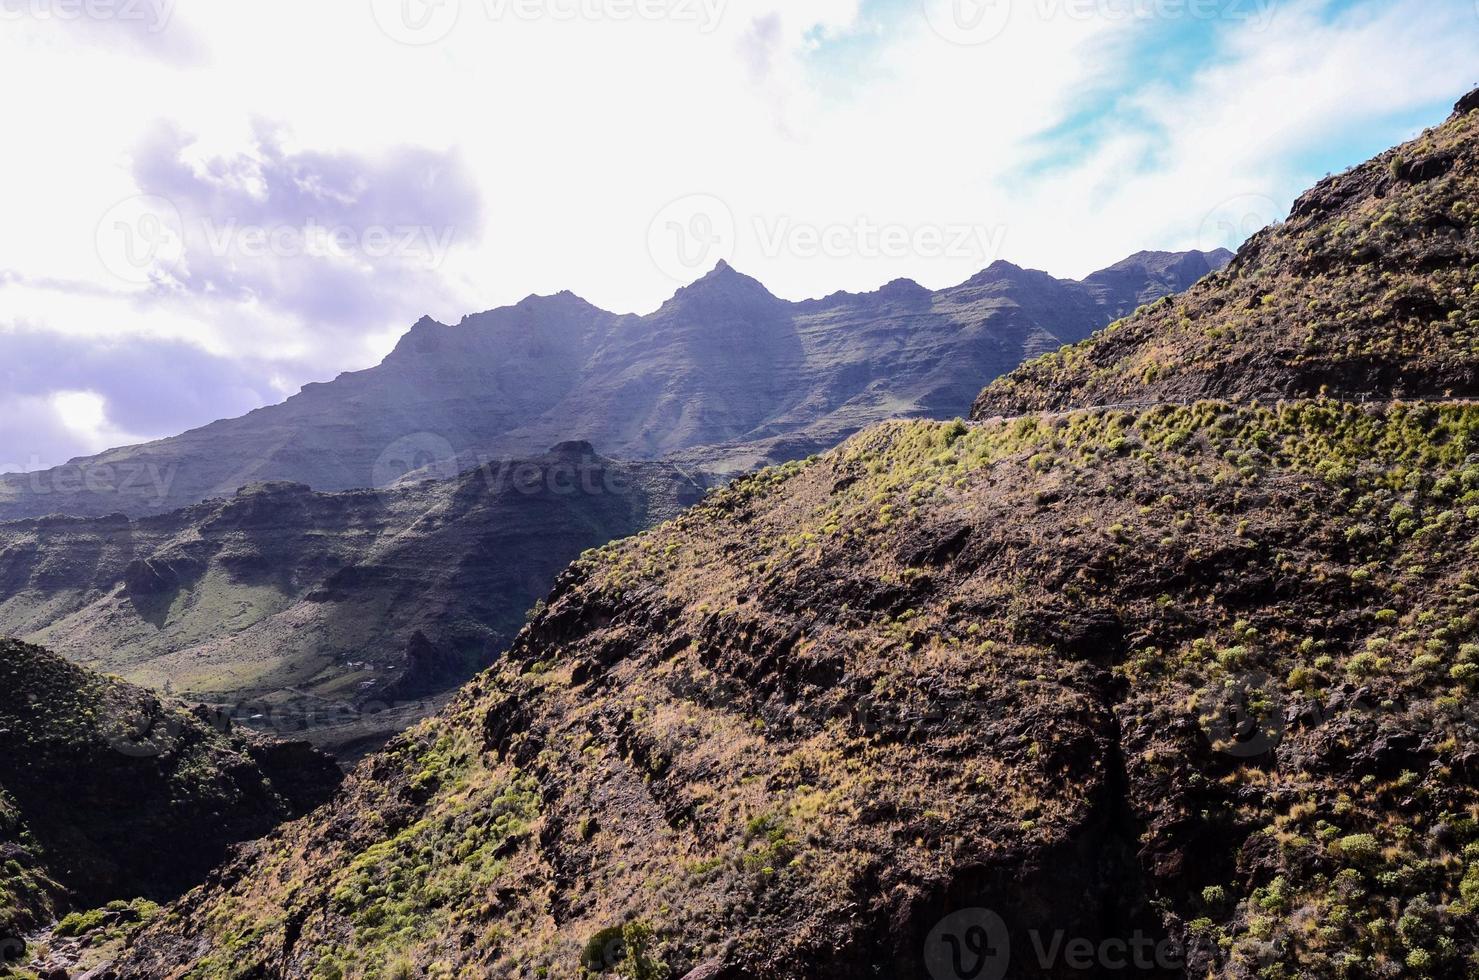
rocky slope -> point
(945, 668)
(109, 793)
(300, 610)
(1182, 691)
(724, 372)
(1371, 285)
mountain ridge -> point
(1278, 321)
(110, 793)
(723, 376)
(305, 607)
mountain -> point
(1179, 691)
(724, 373)
(330, 616)
(108, 793)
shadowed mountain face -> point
(724, 373)
(109, 793)
(1185, 691)
(299, 609)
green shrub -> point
(401, 968)
(80, 923)
(1361, 848)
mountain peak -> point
(1000, 271)
(724, 284)
(578, 448)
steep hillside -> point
(1180, 691)
(724, 372)
(108, 793)
(1372, 284)
(1203, 675)
(304, 608)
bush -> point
(80, 923)
(401, 969)
(1362, 848)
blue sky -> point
(241, 198)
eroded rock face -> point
(724, 375)
(326, 616)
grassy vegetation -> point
(724, 729)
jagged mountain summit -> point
(296, 609)
(1189, 684)
(724, 373)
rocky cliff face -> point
(327, 616)
(1180, 691)
(108, 792)
(724, 373)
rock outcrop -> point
(111, 793)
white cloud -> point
(577, 132)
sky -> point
(207, 204)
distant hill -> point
(724, 374)
(304, 607)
